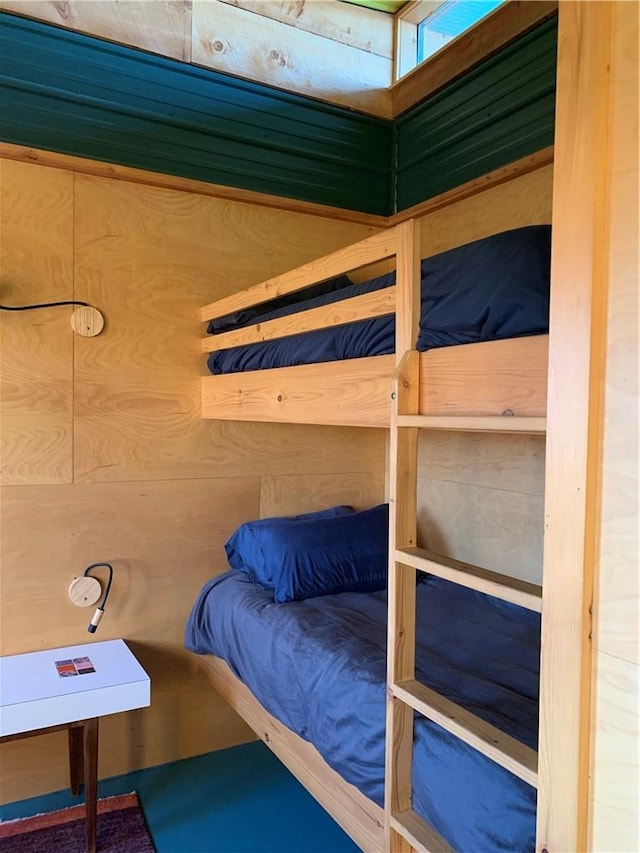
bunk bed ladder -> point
(405, 829)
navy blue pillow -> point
(246, 547)
(274, 307)
(323, 556)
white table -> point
(42, 692)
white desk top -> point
(34, 695)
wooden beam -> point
(579, 263)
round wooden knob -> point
(84, 591)
(87, 321)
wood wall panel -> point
(163, 26)
(523, 201)
(615, 770)
(36, 265)
(236, 41)
(286, 495)
(157, 491)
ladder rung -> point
(505, 750)
(473, 423)
(516, 591)
(418, 833)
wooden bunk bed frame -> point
(584, 161)
(499, 386)
(495, 378)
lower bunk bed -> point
(309, 676)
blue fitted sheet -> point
(493, 288)
(319, 667)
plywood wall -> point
(480, 497)
(615, 770)
(105, 456)
(330, 50)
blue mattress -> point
(493, 288)
(319, 667)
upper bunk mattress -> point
(319, 667)
(493, 288)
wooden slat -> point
(475, 424)
(418, 833)
(363, 307)
(342, 393)
(505, 750)
(367, 251)
(408, 284)
(477, 44)
(361, 818)
(486, 378)
(516, 591)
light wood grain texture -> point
(486, 379)
(36, 265)
(164, 540)
(363, 307)
(488, 423)
(230, 39)
(500, 530)
(512, 463)
(525, 200)
(149, 257)
(87, 321)
(417, 833)
(578, 287)
(506, 751)
(463, 53)
(343, 393)
(24, 154)
(357, 815)
(614, 772)
(163, 26)
(287, 495)
(616, 765)
(365, 29)
(408, 254)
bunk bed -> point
(494, 385)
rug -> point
(121, 829)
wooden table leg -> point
(76, 759)
(90, 732)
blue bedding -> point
(493, 288)
(318, 666)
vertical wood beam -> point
(574, 420)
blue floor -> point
(239, 800)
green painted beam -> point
(390, 6)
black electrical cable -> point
(43, 305)
(97, 616)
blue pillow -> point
(246, 547)
(323, 556)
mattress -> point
(493, 288)
(318, 666)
